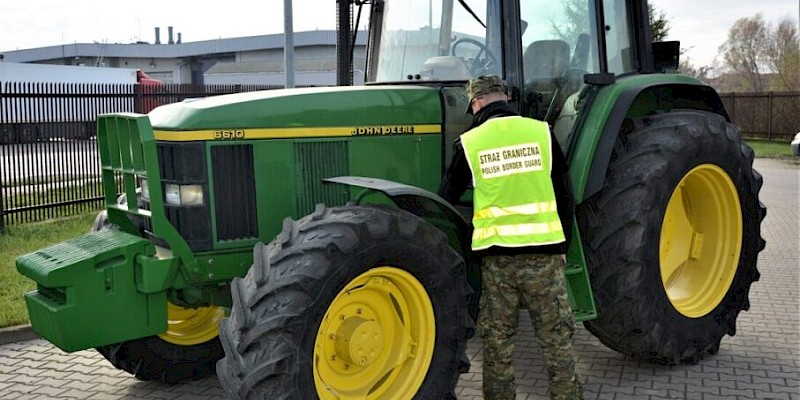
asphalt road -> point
(762, 361)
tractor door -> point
(560, 46)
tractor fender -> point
(398, 191)
(640, 100)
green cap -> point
(483, 85)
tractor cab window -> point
(618, 39)
(559, 47)
(444, 40)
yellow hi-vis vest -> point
(514, 202)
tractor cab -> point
(544, 50)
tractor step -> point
(87, 291)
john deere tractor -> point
(291, 240)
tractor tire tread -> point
(275, 315)
(620, 238)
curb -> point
(20, 333)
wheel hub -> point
(190, 326)
(701, 238)
(359, 341)
(376, 340)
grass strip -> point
(22, 239)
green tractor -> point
(367, 287)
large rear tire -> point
(354, 302)
(673, 237)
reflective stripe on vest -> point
(527, 209)
(504, 155)
(544, 229)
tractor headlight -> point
(191, 195)
(183, 195)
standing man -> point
(522, 220)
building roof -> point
(302, 64)
(176, 50)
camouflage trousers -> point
(537, 282)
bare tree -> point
(702, 73)
(745, 51)
(783, 55)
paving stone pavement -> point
(762, 361)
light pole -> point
(288, 45)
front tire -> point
(673, 237)
(189, 349)
(153, 358)
(354, 302)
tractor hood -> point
(328, 107)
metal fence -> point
(49, 166)
(771, 115)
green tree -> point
(659, 24)
(576, 14)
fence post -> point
(2, 212)
(2, 188)
(138, 99)
(769, 116)
(733, 108)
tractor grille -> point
(316, 161)
(234, 192)
(182, 164)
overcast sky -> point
(701, 25)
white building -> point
(243, 60)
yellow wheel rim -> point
(701, 237)
(376, 339)
(190, 326)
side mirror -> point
(666, 56)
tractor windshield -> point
(444, 40)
